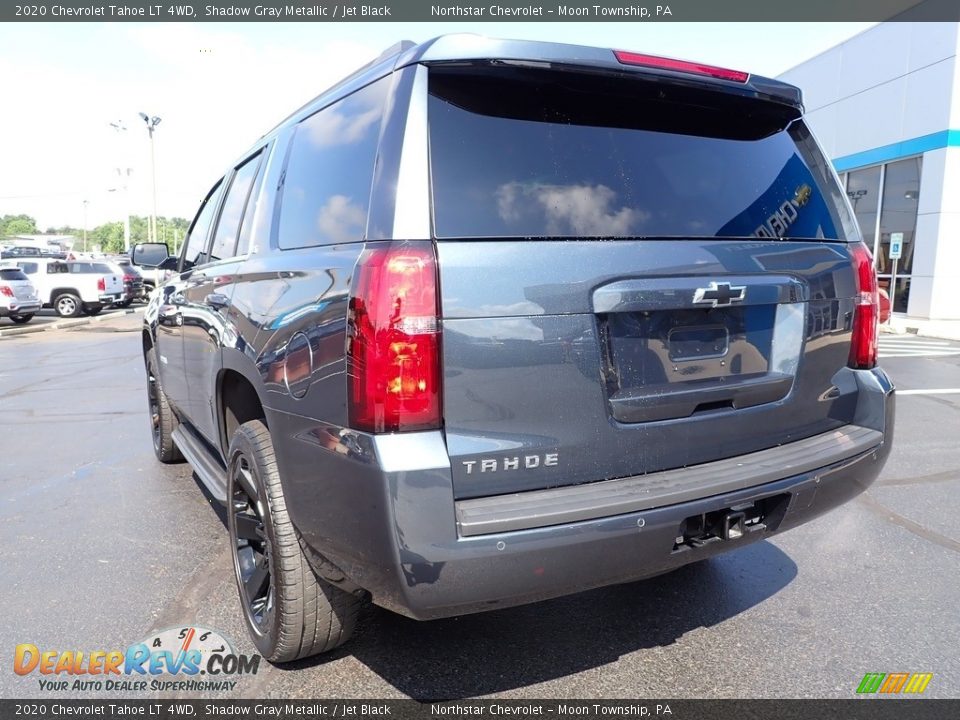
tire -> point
(92, 309)
(22, 319)
(67, 305)
(162, 420)
(290, 613)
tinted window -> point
(540, 154)
(326, 189)
(55, 268)
(89, 267)
(28, 267)
(225, 236)
(12, 274)
(195, 246)
(150, 255)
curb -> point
(61, 324)
(891, 330)
(934, 329)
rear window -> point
(527, 153)
(12, 274)
(90, 267)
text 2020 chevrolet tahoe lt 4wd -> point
(491, 322)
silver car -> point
(18, 297)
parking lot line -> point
(931, 391)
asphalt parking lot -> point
(47, 317)
(100, 545)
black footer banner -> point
(859, 709)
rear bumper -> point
(19, 307)
(401, 541)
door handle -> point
(217, 300)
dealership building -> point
(885, 105)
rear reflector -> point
(866, 311)
(393, 340)
(684, 66)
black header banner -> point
(333, 11)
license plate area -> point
(697, 343)
(667, 347)
(673, 363)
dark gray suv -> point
(491, 322)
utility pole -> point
(152, 123)
(124, 174)
(85, 203)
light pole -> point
(124, 174)
(85, 203)
(152, 123)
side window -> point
(195, 246)
(326, 188)
(225, 237)
(29, 268)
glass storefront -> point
(885, 200)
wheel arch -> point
(57, 291)
(238, 400)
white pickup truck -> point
(72, 288)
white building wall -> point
(896, 83)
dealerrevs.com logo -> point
(192, 659)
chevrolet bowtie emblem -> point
(718, 295)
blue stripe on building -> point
(895, 151)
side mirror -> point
(150, 254)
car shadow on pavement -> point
(513, 648)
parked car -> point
(18, 251)
(618, 319)
(133, 287)
(18, 297)
(73, 288)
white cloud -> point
(332, 127)
(341, 220)
(588, 210)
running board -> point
(206, 468)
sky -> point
(217, 87)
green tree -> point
(108, 236)
(18, 225)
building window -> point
(885, 200)
(901, 194)
(863, 189)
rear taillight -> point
(393, 340)
(6, 290)
(684, 66)
(866, 311)
(102, 284)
